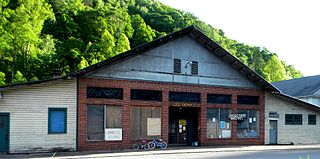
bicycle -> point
(157, 143)
(142, 144)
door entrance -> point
(4, 133)
(273, 132)
(183, 125)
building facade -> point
(38, 117)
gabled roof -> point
(299, 87)
(198, 36)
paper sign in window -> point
(153, 126)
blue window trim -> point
(65, 120)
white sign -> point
(113, 134)
(237, 116)
(153, 126)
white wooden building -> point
(27, 109)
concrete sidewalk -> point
(174, 150)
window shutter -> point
(177, 66)
(194, 68)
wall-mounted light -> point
(189, 63)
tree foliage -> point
(39, 36)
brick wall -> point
(127, 142)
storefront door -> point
(4, 133)
(183, 126)
(273, 132)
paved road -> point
(274, 154)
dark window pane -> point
(184, 97)
(177, 66)
(293, 119)
(146, 95)
(114, 117)
(57, 120)
(312, 120)
(219, 98)
(248, 100)
(95, 92)
(95, 130)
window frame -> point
(248, 96)
(293, 118)
(65, 110)
(132, 96)
(209, 100)
(312, 122)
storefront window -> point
(218, 123)
(145, 122)
(249, 126)
(104, 123)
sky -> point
(290, 28)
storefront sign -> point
(113, 134)
(237, 116)
(174, 104)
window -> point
(312, 119)
(218, 123)
(139, 121)
(248, 100)
(101, 118)
(137, 94)
(57, 122)
(184, 97)
(219, 98)
(249, 126)
(114, 93)
(177, 66)
(293, 119)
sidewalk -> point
(174, 150)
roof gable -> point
(202, 40)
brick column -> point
(126, 123)
(234, 122)
(165, 116)
(203, 120)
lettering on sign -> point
(237, 116)
(184, 104)
(113, 134)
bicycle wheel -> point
(145, 147)
(151, 145)
(164, 145)
(135, 146)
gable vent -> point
(194, 68)
(177, 66)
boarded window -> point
(248, 100)
(293, 119)
(312, 119)
(219, 98)
(100, 117)
(96, 92)
(194, 68)
(177, 66)
(139, 121)
(95, 122)
(57, 120)
(137, 94)
(184, 97)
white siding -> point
(28, 108)
(297, 134)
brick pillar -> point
(203, 120)
(126, 123)
(234, 122)
(262, 118)
(165, 116)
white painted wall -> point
(297, 134)
(28, 108)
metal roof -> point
(299, 87)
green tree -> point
(122, 44)
(142, 32)
(2, 79)
(19, 78)
(275, 70)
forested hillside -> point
(39, 36)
